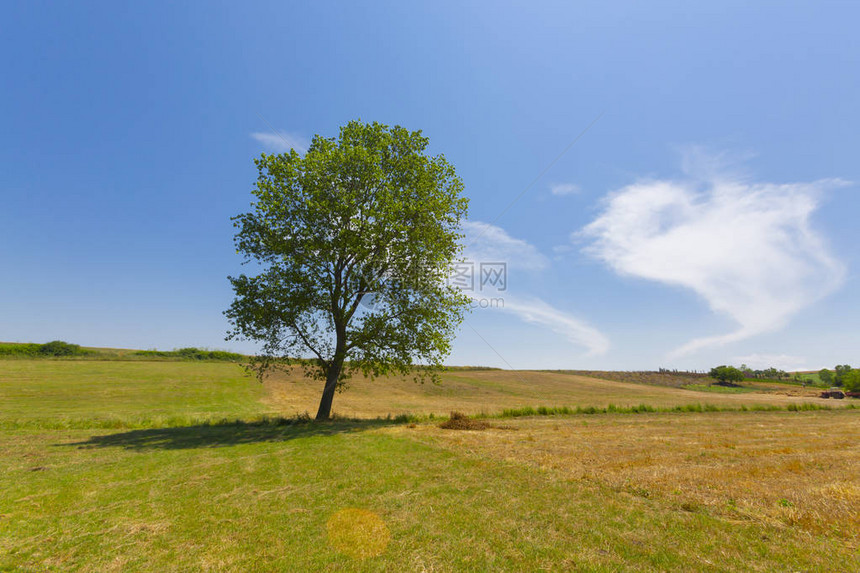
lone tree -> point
(353, 242)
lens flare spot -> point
(358, 533)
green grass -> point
(188, 466)
(645, 409)
(258, 499)
(809, 379)
(718, 388)
(814, 379)
(69, 394)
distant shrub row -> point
(49, 349)
(60, 349)
(643, 408)
(191, 354)
(663, 377)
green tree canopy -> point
(841, 371)
(851, 381)
(365, 215)
(825, 375)
(726, 374)
(774, 374)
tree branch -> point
(323, 361)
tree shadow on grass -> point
(227, 434)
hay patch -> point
(460, 421)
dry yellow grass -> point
(490, 391)
(794, 469)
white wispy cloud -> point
(575, 330)
(564, 189)
(282, 141)
(782, 361)
(747, 248)
(489, 243)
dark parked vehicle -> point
(832, 393)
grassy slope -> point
(260, 497)
(492, 391)
(88, 393)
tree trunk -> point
(324, 411)
(333, 373)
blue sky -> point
(709, 215)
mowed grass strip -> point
(60, 393)
(266, 499)
(798, 470)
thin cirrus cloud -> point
(486, 243)
(747, 248)
(561, 189)
(282, 141)
(578, 332)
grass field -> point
(73, 393)
(125, 466)
(476, 392)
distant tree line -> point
(676, 372)
(841, 375)
(765, 374)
